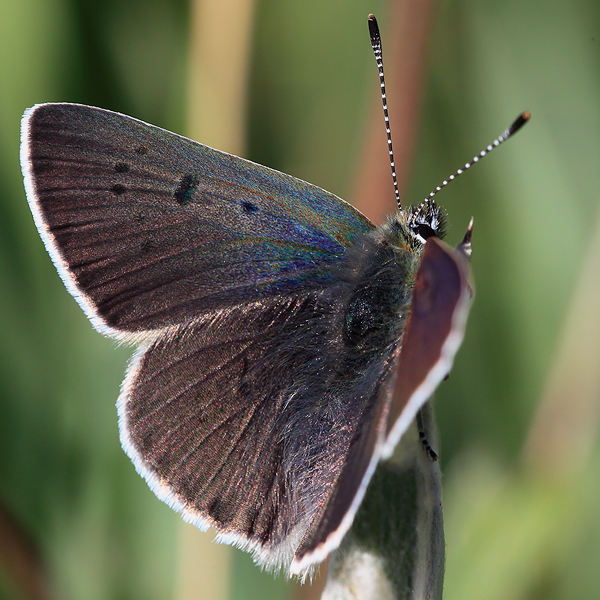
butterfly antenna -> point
(519, 122)
(376, 45)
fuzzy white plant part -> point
(395, 549)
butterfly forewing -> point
(441, 300)
(149, 228)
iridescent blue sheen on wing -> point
(153, 228)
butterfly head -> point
(426, 220)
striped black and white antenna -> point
(376, 45)
(518, 123)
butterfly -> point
(285, 343)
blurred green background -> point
(518, 418)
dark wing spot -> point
(248, 207)
(118, 189)
(185, 190)
(141, 150)
(121, 167)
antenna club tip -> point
(519, 122)
(373, 28)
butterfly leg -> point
(423, 436)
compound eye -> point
(424, 231)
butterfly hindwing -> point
(246, 420)
(201, 417)
(337, 513)
(148, 228)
